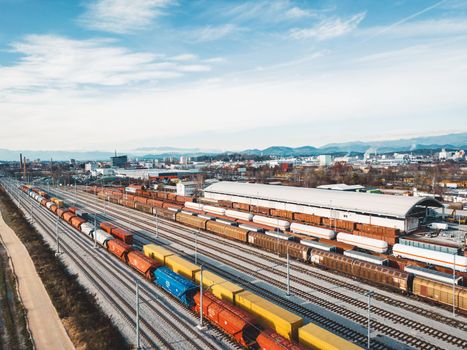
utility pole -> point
(200, 325)
(157, 223)
(57, 253)
(196, 246)
(75, 192)
(95, 229)
(369, 294)
(288, 272)
(138, 345)
(454, 287)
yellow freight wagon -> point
(218, 286)
(57, 201)
(269, 315)
(314, 337)
(156, 252)
(181, 266)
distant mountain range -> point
(450, 141)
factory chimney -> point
(20, 161)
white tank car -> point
(239, 215)
(375, 245)
(312, 231)
(192, 205)
(215, 210)
(432, 257)
(281, 224)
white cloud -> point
(184, 57)
(54, 62)
(328, 28)
(122, 16)
(298, 13)
(212, 33)
(426, 84)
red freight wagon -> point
(44, 202)
(107, 226)
(155, 203)
(270, 340)
(122, 235)
(231, 319)
(53, 208)
(73, 209)
(76, 222)
(171, 196)
(142, 263)
(119, 249)
(61, 211)
(309, 218)
(241, 206)
(67, 216)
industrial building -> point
(401, 212)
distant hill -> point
(450, 141)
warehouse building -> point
(401, 212)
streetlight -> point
(57, 253)
(200, 326)
(157, 223)
(454, 287)
(138, 344)
(196, 246)
(369, 294)
(288, 272)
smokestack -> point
(20, 161)
(115, 153)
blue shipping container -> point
(180, 287)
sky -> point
(229, 75)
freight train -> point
(250, 320)
(241, 226)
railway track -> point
(358, 318)
(295, 267)
(187, 332)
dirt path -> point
(45, 325)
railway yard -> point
(332, 301)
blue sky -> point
(229, 75)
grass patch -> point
(86, 324)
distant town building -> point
(183, 160)
(324, 160)
(119, 161)
(186, 188)
(89, 167)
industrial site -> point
(233, 174)
(179, 255)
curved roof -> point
(370, 203)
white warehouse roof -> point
(369, 203)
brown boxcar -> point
(145, 208)
(171, 197)
(345, 225)
(332, 261)
(155, 203)
(282, 213)
(76, 222)
(119, 249)
(232, 320)
(260, 210)
(141, 263)
(53, 208)
(44, 202)
(440, 292)
(227, 204)
(279, 246)
(191, 220)
(227, 231)
(270, 340)
(122, 235)
(114, 199)
(382, 275)
(129, 203)
(141, 200)
(107, 226)
(164, 213)
(309, 218)
(183, 199)
(241, 206)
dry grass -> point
(85, 322)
